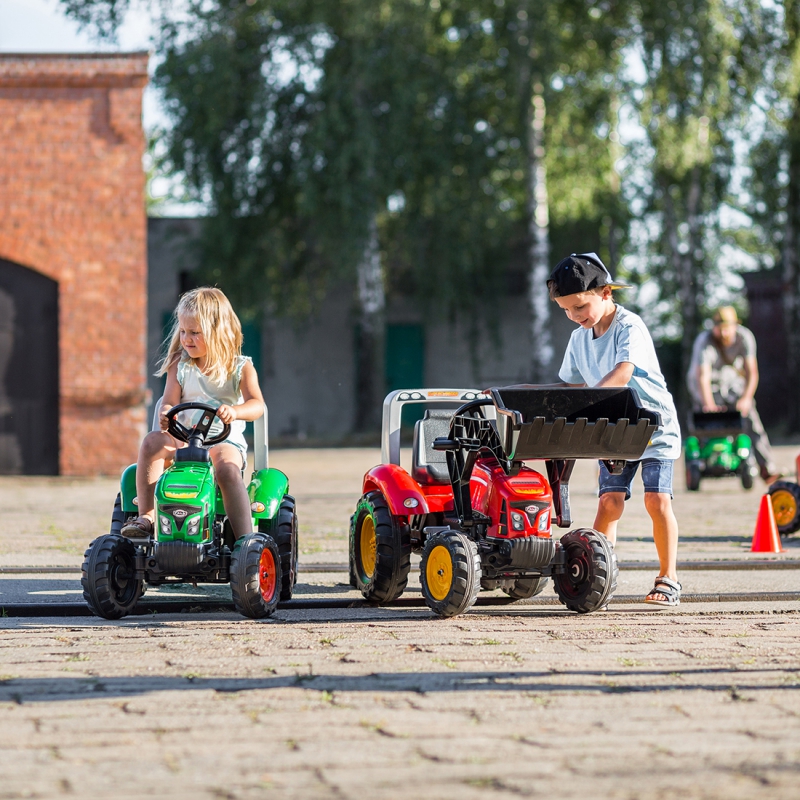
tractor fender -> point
(398, 487)
(127, 489)
(267, 486)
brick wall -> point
(72, 208)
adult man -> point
(724, 375)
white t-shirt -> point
(588, 360)
(727, 366)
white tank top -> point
(199, 388)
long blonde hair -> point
(221, 329)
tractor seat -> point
(428, 465)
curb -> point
(184, 607)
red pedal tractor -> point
(479, 516)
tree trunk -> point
(370, 383)
(539, 223)
(692, 274)
(686, 274)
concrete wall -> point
(308, 367)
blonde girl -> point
(204, 364)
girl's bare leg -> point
(227, 462)
(157, 449)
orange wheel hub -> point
(266, 575)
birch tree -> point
(693, 95)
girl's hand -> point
(163, 422)
(227, 414)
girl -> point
(203, 363)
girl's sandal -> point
(138, 528)
(669, 589)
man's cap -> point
(725, 314)
(581, 272)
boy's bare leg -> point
(665, 535)
(609, 512)
(227, 461)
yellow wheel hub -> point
(784, 506)
(367, 545)
(439, 572)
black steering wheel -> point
(184, 434)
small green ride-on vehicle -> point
(193, 540)
(717, 447)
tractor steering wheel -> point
(184, 434)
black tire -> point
(523, 588)
(785, 499)
(255, 575)
(748, 475)
(591, 574)
(450, 573)
(110, 587)
(380, 550)
(283, 530)
(693, 476)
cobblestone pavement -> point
(700, 702)
(387, 704)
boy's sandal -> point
(670, 589)
(138, 528)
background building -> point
(72, 262)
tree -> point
(697, 86)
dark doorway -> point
(405, 364)
(28, 372)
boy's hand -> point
(163, 422)
(227, 414)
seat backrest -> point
(260, 436)
(429, 465)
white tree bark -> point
(371, 297)
(539, 222)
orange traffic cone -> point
(766, 538)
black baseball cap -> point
(580, 272)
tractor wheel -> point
(108, 577)
(380, 550)
(748, 475)
(450, 573)
(255, 575)
(285, 535)
(591, 571)
(785, 498)
(523, 588)
(693, 476)
(118, 516)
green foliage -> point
(296, 123)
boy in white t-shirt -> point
(612, 347)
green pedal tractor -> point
(193, 540)
(716, 447)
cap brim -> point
(619, 285)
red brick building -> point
(73, 263)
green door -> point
(405, 363)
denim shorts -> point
(656, 477)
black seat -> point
(429, 465)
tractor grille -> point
(178, 558)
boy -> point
(612, 347)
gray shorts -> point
(656, 477)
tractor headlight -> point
(193, 526)
(544, 521)
(517, 521)
(166, 524)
